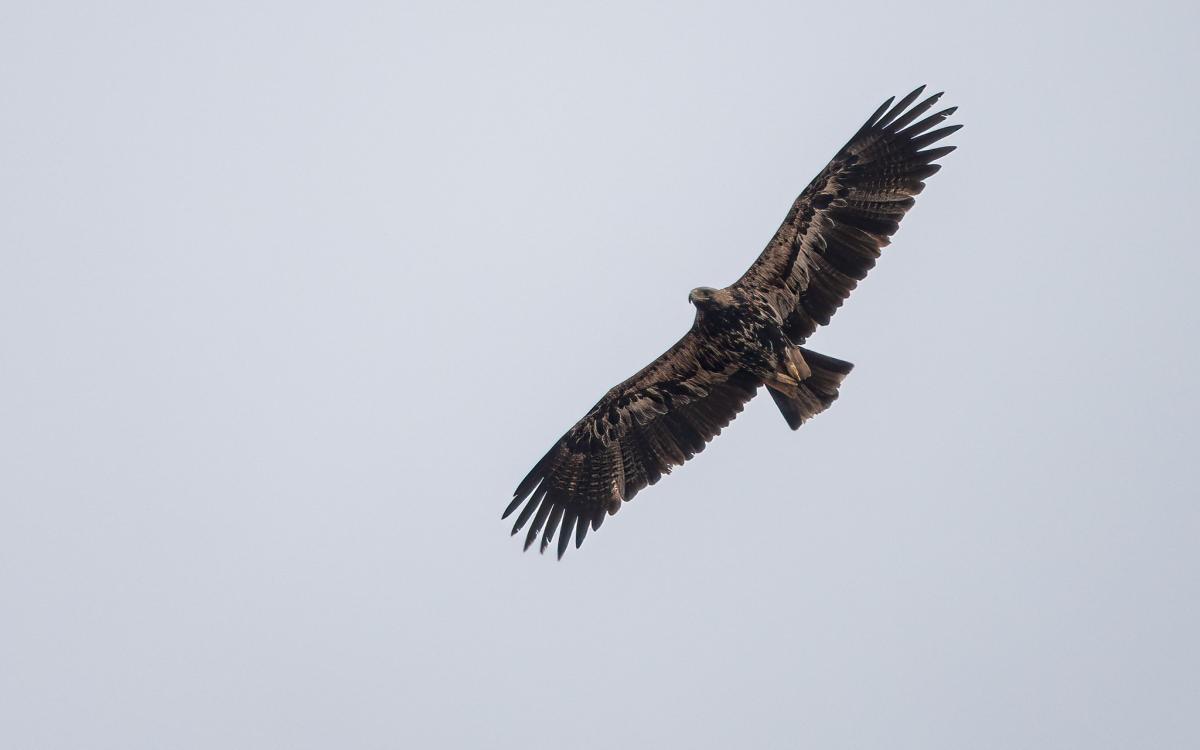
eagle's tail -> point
(815, 393)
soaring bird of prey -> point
(747, 335)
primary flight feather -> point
(745, 336)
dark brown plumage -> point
(745, 336)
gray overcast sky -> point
(292, 295)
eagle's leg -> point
(801, 398)
(794, 363)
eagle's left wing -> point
(655, 420)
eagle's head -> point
(704, 297)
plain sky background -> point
(292, 295)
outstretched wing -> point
(837, 227)
(656, 420)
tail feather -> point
(815, 393)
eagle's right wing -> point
(837, 228)
(656, 420)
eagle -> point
(747, 335)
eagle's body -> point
(745, 336)
(739, 325)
